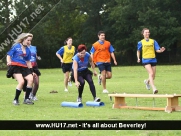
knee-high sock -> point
(28, 91)
(17, 94)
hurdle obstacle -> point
(171, 105)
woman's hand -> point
(138, 60)
(38, 57)
(9, 63)
(162, 49)
(34, 75)
(77, 84)
(95, 73)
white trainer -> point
(147, 84)
(34, 98)
(105, 91)
(155, 91)
(66, 90)
(69, 83)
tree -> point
(132, 16)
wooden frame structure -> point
(171, 105)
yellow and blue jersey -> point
(67, 53)
(18, 58)
(148, 48)
(82, 63)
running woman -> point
(148, 47)
(33, 60)
(68, 51)
(20, 68)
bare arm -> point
(92, 66)
(77, 84)
(113, 57)
(38, 57)
(162, 49)
(138, 56)
(58, 55)
(92, 57)
(31, 68)
(8, 59)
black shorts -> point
(152, 64)
(17, 70)
(36, 71)
(66, 67)
(81, 73)
(105, 66)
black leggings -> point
(88, 78)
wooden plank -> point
(142, 108)
(145, 95)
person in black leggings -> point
(81, 72)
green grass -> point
(125, 80)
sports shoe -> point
(105, 91)
(15, 102)
(155, 91)
(79, 99)
(34, 98)
(69, 83)
(28, 101)
(66, 90)
(147, 84)
(97, 99)
(31, 96)
(99, 79)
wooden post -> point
(118, 102)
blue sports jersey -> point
(111, 49)
(33, 53)
(17, 55)
(82, 65)
(152, 60)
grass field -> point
(128, 79)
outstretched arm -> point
(162, 49)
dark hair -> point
(81, 47)
(65, 42)
(101, 32)
(144, 30)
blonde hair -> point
(22, 37)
